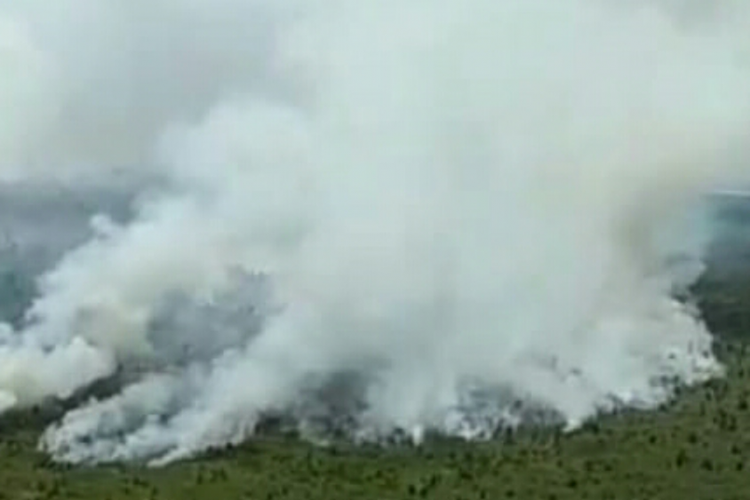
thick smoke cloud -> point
(404, 214)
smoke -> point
(381, 216)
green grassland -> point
(696, 448)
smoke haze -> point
(402, 215)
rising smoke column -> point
(460, 203)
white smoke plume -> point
(430, 208)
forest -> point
(696, 447)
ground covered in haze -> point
(697, 448)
